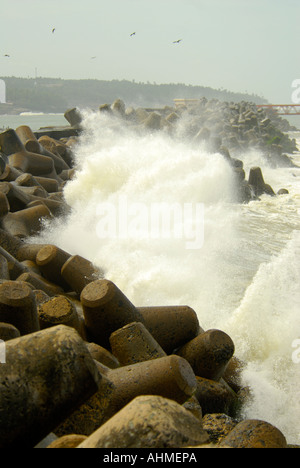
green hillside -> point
(57, 95)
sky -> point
(248, 46)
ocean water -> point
(237, 265)
(34, 120)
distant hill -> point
(57, 95)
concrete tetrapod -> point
(58, 310)
(171, 326)
(134, 343)
(18, 306)
(26, 222)
(170, 377)
(78, 272)
(25, 161)
(50, 260)
(47, 374)
(209, 353)
(106, 308)
(67, 441)
(32, 145)
(254, 433)
(149, 421)
(8, 331)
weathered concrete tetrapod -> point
(32, 145)
(27, 222)
(21, 159)
(73, 297)
(233, 373)
(10, 143)
(67, 175)
(171, 377)
(102, 355)
(28, 138)
(33, 191)
(58, 196)
(78, 272)
(256, 180)
(58, 148)
(215, 397)
(218, 425)
(106, 308)
(208, 353)
(73, 116)
(50, 260)
(18, 306)
(15, 267)
(27, 180)
(10, 243)
(4, 204)
(27, 251)
(254, 433)
(134, 343)
(25, 161)
(8, 331)
(55, 207)
(46, 376)
(40, 296)
(87, 417)
(38, 282)
(67, 441)
(4, 270)
(171, 326)
(50, 185)
(168, 376)
(192, 405)
(48, 143)
(106, 108)
(3, 160)
(32, 266)
(149, 421)
(35, 164)
(58, 310)
(16, 197)
(10, 174)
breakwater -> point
(132, 376)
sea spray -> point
(113, 165)
(264, 327)
(266, 323)
(244, 279)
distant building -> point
(2, 92)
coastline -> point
(224, 400)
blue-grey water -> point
(34, 120)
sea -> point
(34, 120)
(237, 265)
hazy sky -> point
(239, 45)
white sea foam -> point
(245, 277)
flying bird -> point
(132, 34)
(53, 30)
(6, 55)
(177, 42)
(93, 57)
